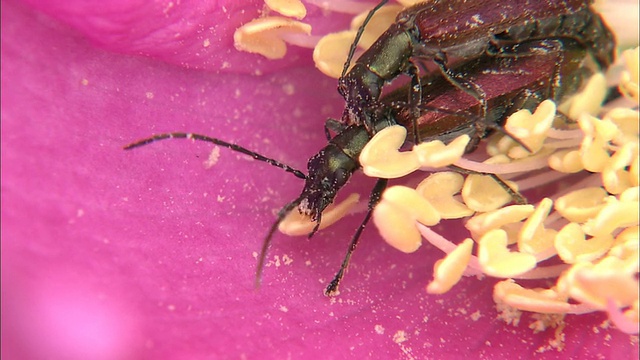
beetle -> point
(508, 83)
(438, 30)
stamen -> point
(288, 8)
(380, 157)
(448, 271)
(496, 259)
(264, 35)
(439, 189)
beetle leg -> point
(333, 125)
(515, 195)
(468, 87)
(374, 199)
(415, 98)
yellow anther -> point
(496, 259)
(439, 189)
(530, 128)
(289, 8)
(482, 193)
(534, 238)
(614, 176)
(572, 246)
(397, 213)
(378, 24)
(566, 161)
(544, 301)
(615, 214)
(295, 224)
(448, 271)
(631, 194)
(628, 121)
(380, 158)
(435, 154)
(629, 80)
(590, 99)
(482, 223)
(593, 150)
(581, 205)
(596, 284)
(331, 52)
(264, 35)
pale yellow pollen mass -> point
(581, 205)
(629, 79)
(596, 284)
(628, 121)
(380, 157)
(263, 35)
(594, 148)
(397, 213)
(531, 129)
(296, 224)
(439, 189)
(615, 214)
(482, 193)
(590, 99)
(631, 194)
(614, 176)
(513, 214)
(435, 154)
(497, 260)
(534, 238)
(572, 246)
(566, 161)
(289, 8)
(544, 301)
(448, 271)
(331, 52)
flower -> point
(108, 254)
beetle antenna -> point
(267, 240)
(355, 42)
(234, 147)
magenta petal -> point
(108, 254)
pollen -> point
(629, 78)
(439, 189)
(380, 157)
(288, 8)
(448, 271)
(265, 36)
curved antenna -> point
(355, 42)
(234, 147)
(267, 240)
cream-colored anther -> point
(380, 158)
(408, 3)
(590, 99)
(631, 194)
(435, 154)
(531, 129)
(581, 205)
(482, 193)
(397, 213)
(482, 223)
(626, 249)
(615, 214)
(331, 52)
(289, 8)
(448, 271)
(295, 224)
(572, 246)
(566, 161)
(629, 85)
(634, 171)
(534, 238)
(439, 189)
(496, 259)
(595, 284)
(593, 149)
(628, 121)
(545, 301)
(378, 24)
(263, 35)
(615, 177)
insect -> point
(439, 30)
(508, 83)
